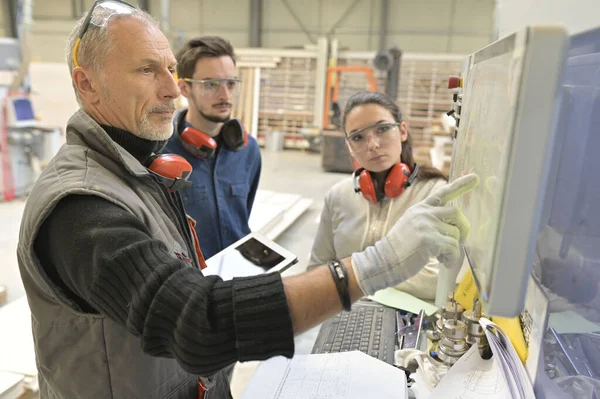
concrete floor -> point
(288, 171)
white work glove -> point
(431, 228)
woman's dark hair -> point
(371, 97)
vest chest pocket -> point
(239, 190)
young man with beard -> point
(225, 159)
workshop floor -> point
(288, 171)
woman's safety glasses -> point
(382, 133)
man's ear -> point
(184, 88)
(87, 84)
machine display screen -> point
(23, 109)
(491, 93)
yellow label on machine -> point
(512, 328)
(466, 291)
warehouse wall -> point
(456, 26)
(576, 15)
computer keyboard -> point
(369, 328)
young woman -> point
(358, 211)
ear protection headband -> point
(202, 146)
(397, 180)
(172, 170)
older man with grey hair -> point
(120, 307)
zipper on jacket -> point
(186, 227)
(216, 199)
(180, 218)
(377, 221)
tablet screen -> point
(259, 254)
(250, 258)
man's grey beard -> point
(148, 131)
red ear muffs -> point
(173, 170)
(365, 185)
(197, 143)
(234, 135)
(397, 180)
(202, 146)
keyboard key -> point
(330, 336)
(361, 329)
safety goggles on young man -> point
(212, 87)
(100, 13)
(383, 133)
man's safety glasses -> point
(383, 133)
(100, 13)
(212, 87)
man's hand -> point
(431, 228)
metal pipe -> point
(485, 35)
(451, 25)
(74, 9)
(343, 16)
(256, 17)
(371, 22)
(383, 23)
(10, 18)
(298, 21)
(165, 17)
(145, 5)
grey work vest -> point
(81, 355)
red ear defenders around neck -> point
(397, 180)
(172, 170)
(202, 146)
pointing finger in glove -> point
(443, 195)
(454, 217)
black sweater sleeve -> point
(106, 260)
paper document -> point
(401, 300)
(508, 360)
(345, 375)
(17, 353)
(472, 378)
(502, 376)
